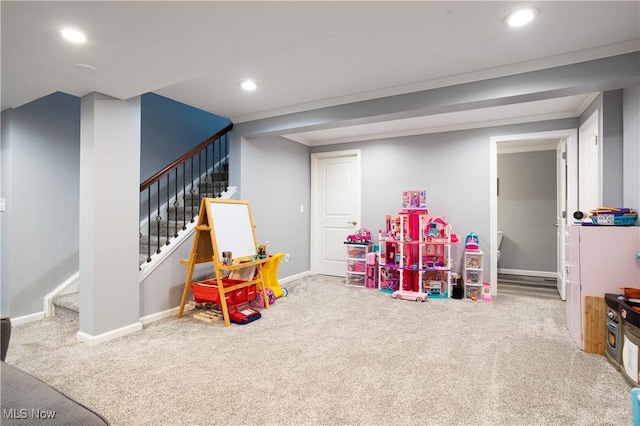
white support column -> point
(109, 204)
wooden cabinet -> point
(599, 260)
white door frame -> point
(315, 230)
(561, 216)
(587, 154)
(572, 184)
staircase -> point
(175, 219)
(171, 197)
(67, 306)
(171, 200)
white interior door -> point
(589, 165)
(335, 187)
(561, 215)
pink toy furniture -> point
(371, 277)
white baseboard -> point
(160, 315)
(27, 318)
(109, 335)
(293, 277)
(132, 328)
(542, 274)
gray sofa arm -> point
(5, 335)
(27, 400)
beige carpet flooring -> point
(334, 355)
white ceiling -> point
(304, 54)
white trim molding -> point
(294, 277)
(571, 136)
(541, 274)
(109, 335)
(160, 315)
(27, 318)
(70, 285)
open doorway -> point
(527, 217)
(565, 166)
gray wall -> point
(5, 164)
(527, 210)
(109, 174)
(453, 168)
(610, 116)
(41, 188)
(631, 144)
(276, 180)
(611, 130)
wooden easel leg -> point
(187, 284)
(224, 307)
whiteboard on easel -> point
(233, 228)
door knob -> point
(354, 223)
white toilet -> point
(499, 244)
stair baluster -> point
(166, 201)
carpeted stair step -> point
(162, 232)
(67, 306)
(181, 213)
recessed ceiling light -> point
(73, 35)
(521, 17)
(248, 85)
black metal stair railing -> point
(201, 172)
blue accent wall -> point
(170, 129)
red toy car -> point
(362, 236)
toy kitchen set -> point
(623, 333)
(603, 288)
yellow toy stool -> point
(270, 274)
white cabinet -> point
(473, 276)
(599, 260)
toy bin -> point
(355, 280)
(473, 291)
(207, 291)
(355, 266)
(252, 292)
(610, 219)
(355, 252)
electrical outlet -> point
(287, 257)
